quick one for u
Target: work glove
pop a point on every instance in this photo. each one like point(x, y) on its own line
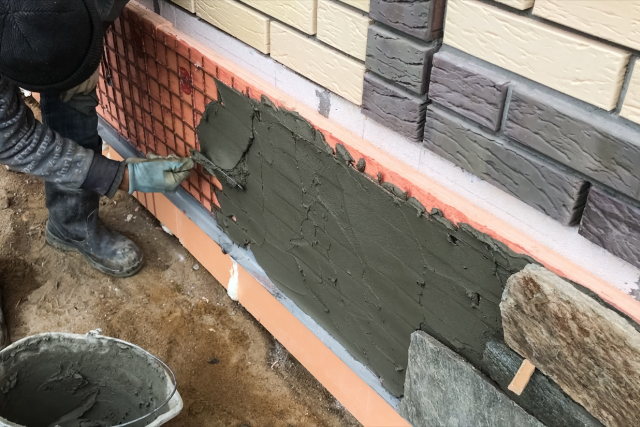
point(157, 174)
point(84, 88)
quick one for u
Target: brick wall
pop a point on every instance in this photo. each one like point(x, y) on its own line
point(504, 66)
point(541, 99)
point(324, 40)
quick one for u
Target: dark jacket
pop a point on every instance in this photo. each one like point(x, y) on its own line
point(27, 145)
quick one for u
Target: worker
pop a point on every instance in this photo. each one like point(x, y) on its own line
point(54, 47)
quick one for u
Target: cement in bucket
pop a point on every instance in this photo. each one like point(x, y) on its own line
point(69, 380)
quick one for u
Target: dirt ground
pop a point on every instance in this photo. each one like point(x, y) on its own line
point(231, 372)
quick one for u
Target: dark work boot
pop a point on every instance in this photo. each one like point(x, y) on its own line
point(74, 225)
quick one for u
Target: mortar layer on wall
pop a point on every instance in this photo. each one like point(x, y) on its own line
point(527, 220)
point(370, 266)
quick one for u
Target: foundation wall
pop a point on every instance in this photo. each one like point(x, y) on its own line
point(163, 80)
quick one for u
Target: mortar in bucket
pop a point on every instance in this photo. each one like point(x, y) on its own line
point(69, 380)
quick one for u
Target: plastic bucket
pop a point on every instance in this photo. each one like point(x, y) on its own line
point(69, 380)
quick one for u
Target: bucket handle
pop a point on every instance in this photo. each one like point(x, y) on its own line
point(96, 333)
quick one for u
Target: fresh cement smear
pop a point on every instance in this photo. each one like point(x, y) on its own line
point(72, 381)
point(368, 264)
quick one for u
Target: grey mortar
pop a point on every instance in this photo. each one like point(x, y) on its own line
point(74, 381)
point(368, 266)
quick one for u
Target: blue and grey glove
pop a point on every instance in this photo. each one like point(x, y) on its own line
point(158, 174)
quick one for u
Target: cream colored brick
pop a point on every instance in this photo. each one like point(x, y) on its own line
point(238, 20)
point(580, 67)
point(300, 14)
point(190, 5)
point(518, 4)
point(323, 65)
point(360, 4)
point(615, 20)
point(631, 107)
point(343, 28)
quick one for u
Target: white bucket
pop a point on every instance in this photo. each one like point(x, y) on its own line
point(68, 380)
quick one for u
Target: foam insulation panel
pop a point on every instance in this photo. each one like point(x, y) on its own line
point(325, 66)
point(614, 20)
point(444, 390)
point(631, 107)
point(589, 350)
point(343, 28)
point(238, 20)
point(300, 14)
point(583, 68)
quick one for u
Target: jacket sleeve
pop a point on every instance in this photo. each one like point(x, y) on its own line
point(28, 146)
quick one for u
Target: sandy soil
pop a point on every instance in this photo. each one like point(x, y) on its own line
point(231, 372)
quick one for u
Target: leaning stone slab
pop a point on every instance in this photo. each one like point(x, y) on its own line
point(587, 349)
point(542, 397)
point(613, 223)
point(420, 18)
point(443, 390)
point(469, 89)
point(536, 181)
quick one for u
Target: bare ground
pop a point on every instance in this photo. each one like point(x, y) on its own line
point(231, 372)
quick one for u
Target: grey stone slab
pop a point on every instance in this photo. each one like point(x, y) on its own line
point(400, 59)
point(613, 223)
point(419, 18)
point(444, 390)
point(393, 107)
point(542, 397)
point(468, 89)
point(555, 191)
point(590, 351)
point(597, 145)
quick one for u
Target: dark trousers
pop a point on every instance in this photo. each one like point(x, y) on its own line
point(76, 119)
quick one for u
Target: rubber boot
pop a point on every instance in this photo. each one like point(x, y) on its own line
point(74, 223)
point(75, 226)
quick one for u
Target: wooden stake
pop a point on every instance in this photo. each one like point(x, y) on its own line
point(522, 377)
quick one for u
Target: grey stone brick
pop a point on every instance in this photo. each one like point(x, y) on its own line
point(420, 18)
point(541, 184)
point(400, 59)
point(468, 89)
point(612, 223)
point(444, 390)
point(542, 397)
point(393, 107)
point(595, 145)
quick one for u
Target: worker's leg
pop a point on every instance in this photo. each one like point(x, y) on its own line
point(74, 224)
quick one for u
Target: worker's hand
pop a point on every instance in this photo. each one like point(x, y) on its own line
point(84, 88)
point(157, 174)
